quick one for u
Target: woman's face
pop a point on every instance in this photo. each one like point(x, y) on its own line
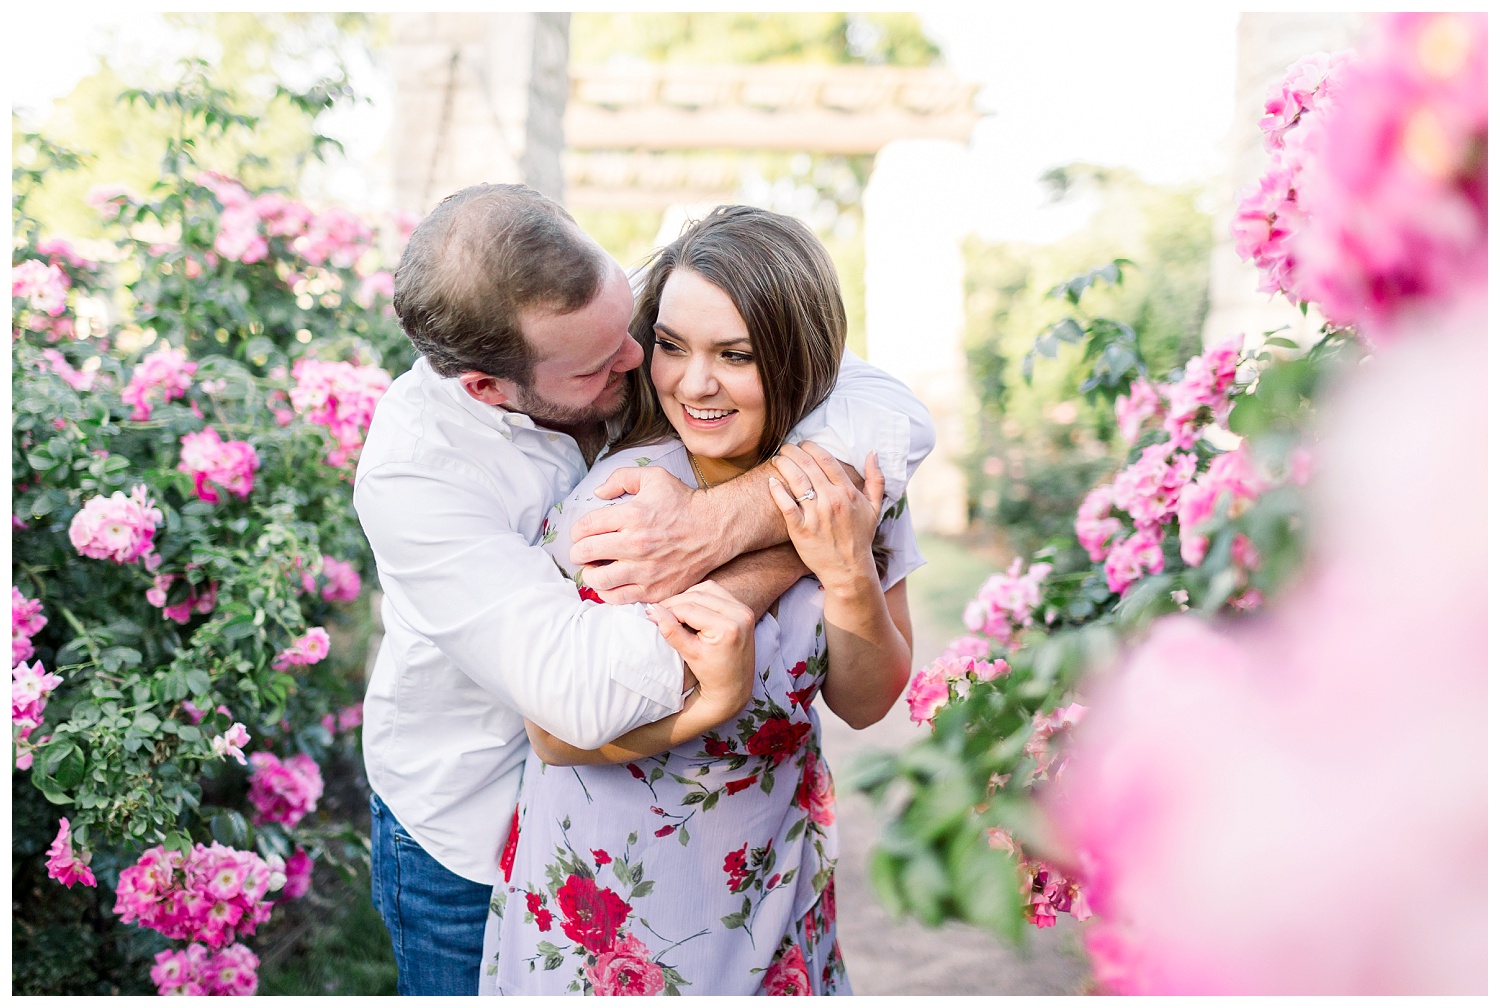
point(704, 371)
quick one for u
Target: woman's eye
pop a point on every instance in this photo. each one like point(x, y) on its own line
point(668, 346)
point(736, 357)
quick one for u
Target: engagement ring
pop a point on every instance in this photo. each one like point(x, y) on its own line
point(808, 496)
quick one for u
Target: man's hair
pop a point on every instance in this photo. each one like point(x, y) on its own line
point(783, 285)
point(483, 256)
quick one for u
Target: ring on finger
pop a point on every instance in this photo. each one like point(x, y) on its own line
point(811, 493)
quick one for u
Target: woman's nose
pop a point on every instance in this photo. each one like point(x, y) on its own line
point(698, 382)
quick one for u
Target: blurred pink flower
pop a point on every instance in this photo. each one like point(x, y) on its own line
point(232, 742)
point(43, 285)
point(1132, 558)
point(117, 527)
point(339, 396)
point(63, 864)
point(1135, 409)
point(214, 462)
point(1394, 187)
point(166, 371)
point(26, 621)
point(927, 694)
point(1094, 526)
point(283, 791)
point(309, 649)
point(342, 582)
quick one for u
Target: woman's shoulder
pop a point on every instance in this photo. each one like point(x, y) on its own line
point(662, 453)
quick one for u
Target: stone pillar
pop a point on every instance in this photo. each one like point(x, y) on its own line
point(1267, 45)
point(479, 98)
point(914, 306)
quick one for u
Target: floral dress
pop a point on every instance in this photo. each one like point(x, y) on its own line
point(707, 869)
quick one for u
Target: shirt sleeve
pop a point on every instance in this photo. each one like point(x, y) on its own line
point(867, 411)
point(496, 606)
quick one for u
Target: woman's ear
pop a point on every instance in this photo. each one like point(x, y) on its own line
point(488, 389)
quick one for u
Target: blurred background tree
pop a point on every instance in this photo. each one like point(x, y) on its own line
point(1038, 447)
point(261, 59)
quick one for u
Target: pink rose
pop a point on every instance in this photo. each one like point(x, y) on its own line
point(927, 695)
point(788, 974)
point(626, 970)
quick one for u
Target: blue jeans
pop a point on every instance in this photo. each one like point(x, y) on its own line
point(436, 918)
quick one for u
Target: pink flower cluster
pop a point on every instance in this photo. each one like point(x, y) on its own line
point(283, 791)
point(1205, 385)
point(1231, 473)
point(232, 743)
point(1133, 410)
point(166, 372)
point(26, 621)
point(342, 583)
point(58, 364)
point(298, 870)
point(340, 396)
point(196, 971)
point(1005, 602)
point(1047, 891)
point(216, 463)
point(1039, 746)
point(118, 528)
point(246, 225)
point(309, 649)
point(43, 285)
point(1148, 488)
point(212, 895)
point(1270, 215)
point(1095, 524)
point(946, 678)
point(1395, 185)
point(63, 864)
point(59, 250)
point(30, 685)
point(200, 598)
point(347, 719)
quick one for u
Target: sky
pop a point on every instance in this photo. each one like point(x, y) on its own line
point(1148, 90)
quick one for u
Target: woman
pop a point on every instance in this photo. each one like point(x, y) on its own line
point(708, 869)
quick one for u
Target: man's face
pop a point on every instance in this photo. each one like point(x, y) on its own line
point(581, 358)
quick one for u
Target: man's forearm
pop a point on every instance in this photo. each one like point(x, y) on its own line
point(759, 578)
point(700, 714)
point(743, 514)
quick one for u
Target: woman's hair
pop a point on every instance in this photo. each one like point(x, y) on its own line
point(783, 285)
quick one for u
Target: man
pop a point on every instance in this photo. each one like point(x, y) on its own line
point(522, 323)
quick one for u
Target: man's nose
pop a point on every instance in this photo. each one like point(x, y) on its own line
point(630, 356)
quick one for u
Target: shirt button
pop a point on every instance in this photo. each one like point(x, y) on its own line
point(551, 437)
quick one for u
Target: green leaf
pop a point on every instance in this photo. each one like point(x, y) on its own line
point(71, 769)
point(198, 682)
point(147, 723)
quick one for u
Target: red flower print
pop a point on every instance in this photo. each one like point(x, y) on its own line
point(797, 669)
point(716, 746)
point(508, 855)
point(666, 830)
point(536, 903)
point(635, 771)
point(803, 697)
point(815, 791)
point(734, 867)
point(588, 594)
point(626, 970)
point(777, 738)
point(601, 858)
point(771, 882)
point(788, 974)
point(658, 810)
point(736, 786)
point(591, 916)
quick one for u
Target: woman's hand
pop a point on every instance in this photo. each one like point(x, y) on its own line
point(715, 635)
point(830, 520)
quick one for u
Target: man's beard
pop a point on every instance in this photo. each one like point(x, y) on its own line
point(548, 414)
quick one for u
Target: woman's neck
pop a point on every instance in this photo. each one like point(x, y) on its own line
point(714, 471)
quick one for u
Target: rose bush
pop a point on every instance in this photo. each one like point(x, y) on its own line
point(189, 401)
point(1270, 514)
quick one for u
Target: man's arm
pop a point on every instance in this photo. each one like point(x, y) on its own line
point(668, 536)
point(455, 570)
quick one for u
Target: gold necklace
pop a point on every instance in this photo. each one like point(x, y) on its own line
point(702, 480)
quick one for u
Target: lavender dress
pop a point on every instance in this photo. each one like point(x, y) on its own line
point(705, 870)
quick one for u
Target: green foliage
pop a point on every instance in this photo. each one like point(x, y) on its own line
point(127, 750)
point(1038, 443)
point(963, 805)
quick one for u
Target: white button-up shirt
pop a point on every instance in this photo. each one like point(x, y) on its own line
point(482, 629)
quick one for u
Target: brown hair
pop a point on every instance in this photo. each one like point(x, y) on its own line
point(476, 262)
point(783, 285)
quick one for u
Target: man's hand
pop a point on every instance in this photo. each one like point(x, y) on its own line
point(715, 634)
point(650, 547)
